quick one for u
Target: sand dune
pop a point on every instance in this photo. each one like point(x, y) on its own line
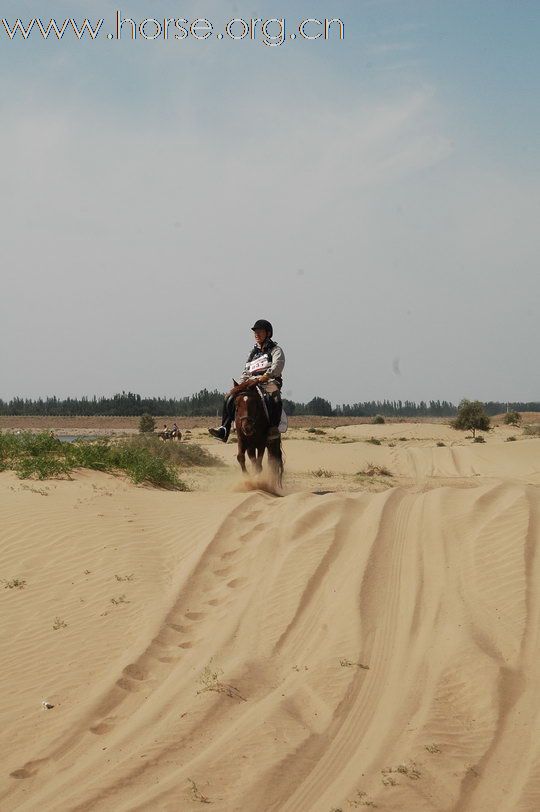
point(312, 652)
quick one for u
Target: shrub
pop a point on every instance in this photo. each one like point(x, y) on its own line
point(316, 431)
point(378, 419)
point(471, 416)
point(512, 419)
point(375, 470)
point(373, 441)
point(323, 472)
point(479, 439)
point(532, 431)
point(147, 424)
point(441, 444)
point(511, 439)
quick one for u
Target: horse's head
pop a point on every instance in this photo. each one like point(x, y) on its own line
point(247, 408)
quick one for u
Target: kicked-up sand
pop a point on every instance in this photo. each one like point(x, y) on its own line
point(368, 640)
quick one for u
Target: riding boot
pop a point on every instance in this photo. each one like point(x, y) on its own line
point(274, 413)
point(222, 433)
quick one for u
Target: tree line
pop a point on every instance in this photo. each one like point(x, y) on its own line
point(207, 403)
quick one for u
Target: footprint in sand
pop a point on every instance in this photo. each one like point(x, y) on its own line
point(129, 685)
point(215, 602)
point(29, 769)
point(135, 672)
point(229, 553)
point(236, 582)
point(103, 727)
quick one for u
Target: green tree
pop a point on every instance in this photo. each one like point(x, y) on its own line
point(147, 424)
point(512, 418)
point(471, 416)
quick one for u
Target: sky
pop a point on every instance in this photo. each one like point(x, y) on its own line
point(376, 198)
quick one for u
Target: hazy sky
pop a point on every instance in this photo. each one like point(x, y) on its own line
point(376, 198)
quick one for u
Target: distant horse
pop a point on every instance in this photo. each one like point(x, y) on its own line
point(170, 434)
point(252, 426)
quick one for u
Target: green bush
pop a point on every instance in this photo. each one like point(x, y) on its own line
point(378, 419)
point(147, 424)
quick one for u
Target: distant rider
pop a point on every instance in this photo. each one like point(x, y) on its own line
point(264, 366)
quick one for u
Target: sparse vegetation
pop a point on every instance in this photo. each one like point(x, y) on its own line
point(124, 577)
point(378, 419)
point(532, 431)
point(479, 439)
point(323, 472)
point(345, 663)
point(312, 430)
point(511, 439)
point(143, 458)
point(471, 416)
point(432, 748)
point(58, 623)
point(15, 583)
point(210, 681)
point(375, 470)
point(196, 795)
point(373, 441)
point(362, 799)
point(440, 444)
point(120, 599)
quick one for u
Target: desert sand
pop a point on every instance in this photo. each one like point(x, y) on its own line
point(363, 641)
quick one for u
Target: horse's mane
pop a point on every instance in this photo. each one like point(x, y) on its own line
point(245, 386)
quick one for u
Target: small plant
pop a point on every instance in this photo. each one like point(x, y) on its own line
point(315, 431)
point(210, 682)
point(479, 439)
point(403, 439)
point(432, 748)
point(532, 431)
point(58, 623)
point(512, 419)
point(375, 470)
point(511, 439)
point(378, 420)
point(440, 444)
point(124, 577)
point(197, 795)
point(323, 472)
point(147, 424)
point(373, 441)
point(344, 663)
point(15, 583)
point(362, 799)
point(120, 599)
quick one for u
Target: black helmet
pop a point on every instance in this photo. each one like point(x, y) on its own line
point(262, 324)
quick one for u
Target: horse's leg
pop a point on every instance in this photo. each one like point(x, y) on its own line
point(260, 454)
point(275, 460)
point(252, 454)
point(241, 456)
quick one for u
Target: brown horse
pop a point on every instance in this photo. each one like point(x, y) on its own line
point(252, 431)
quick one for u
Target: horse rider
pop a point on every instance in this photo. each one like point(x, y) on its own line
point(264, 367)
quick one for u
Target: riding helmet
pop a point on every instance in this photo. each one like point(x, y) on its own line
point(262, 324)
